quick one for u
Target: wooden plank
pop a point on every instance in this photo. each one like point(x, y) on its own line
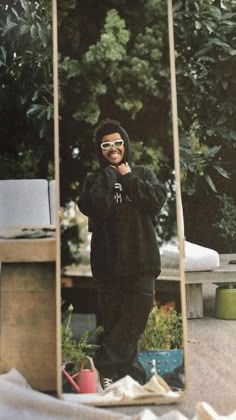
point(27, 250)
point(28, 322)
point(26, 231)
point(27, 277)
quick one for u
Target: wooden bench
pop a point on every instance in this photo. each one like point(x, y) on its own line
point(81, 277)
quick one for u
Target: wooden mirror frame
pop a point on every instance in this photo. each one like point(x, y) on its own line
point(180, 229)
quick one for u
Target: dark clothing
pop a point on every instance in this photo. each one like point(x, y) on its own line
point(125, 257)
point(122, 212)
point(125, 305)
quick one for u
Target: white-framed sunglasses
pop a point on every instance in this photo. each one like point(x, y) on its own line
point(106, 145)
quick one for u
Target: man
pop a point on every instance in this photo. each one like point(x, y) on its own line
point(122, 201)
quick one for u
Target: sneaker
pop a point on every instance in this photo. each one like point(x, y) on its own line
point(176, 379)
point(107, 382)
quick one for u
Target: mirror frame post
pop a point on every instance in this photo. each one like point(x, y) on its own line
point(57, 178)
point(179, 208)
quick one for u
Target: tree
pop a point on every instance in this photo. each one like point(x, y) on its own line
point(206, 63)
point(26, 86)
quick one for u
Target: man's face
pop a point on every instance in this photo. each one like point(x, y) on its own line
point(113, 154)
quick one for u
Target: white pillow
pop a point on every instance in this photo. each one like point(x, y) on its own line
point(197, 258)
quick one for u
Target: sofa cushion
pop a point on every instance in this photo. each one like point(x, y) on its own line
point(197, 258)
point(24, 202)
point(200, 258)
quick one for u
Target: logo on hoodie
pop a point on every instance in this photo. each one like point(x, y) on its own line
point(119, 195)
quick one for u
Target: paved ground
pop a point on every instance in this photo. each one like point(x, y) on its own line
point(211, 364)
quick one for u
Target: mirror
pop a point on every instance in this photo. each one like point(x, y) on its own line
point(114, 63)
point(27, 193)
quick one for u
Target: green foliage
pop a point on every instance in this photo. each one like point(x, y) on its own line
point(72, 350)
point(111, 46)
point(205, 63)
point(26, 166)
point(148, 156)
point(225, 224)
point(27, 55)
point(197, 161)
point(26, 85)
point(163, 330)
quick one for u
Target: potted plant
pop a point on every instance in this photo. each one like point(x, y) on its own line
point(161, 345)
point(76, 352)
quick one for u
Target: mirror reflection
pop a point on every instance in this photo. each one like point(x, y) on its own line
point(117, 187)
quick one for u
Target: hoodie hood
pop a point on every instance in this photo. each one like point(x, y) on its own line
point(110, 127)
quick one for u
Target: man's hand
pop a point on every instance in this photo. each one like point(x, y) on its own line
point(124, 168)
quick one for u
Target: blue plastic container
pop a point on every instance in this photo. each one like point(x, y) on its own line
point(165, 360)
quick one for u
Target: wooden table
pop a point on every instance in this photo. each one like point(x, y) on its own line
point(28, 310)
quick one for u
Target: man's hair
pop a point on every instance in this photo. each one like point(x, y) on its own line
point(107, 126)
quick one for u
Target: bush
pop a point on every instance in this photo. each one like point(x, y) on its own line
point(163, 331)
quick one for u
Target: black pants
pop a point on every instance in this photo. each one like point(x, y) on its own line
point(125, 305)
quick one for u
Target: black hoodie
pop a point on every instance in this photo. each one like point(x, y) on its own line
point(122, 211)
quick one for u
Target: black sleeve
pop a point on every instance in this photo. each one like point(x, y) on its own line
point(96, 198)
point(145, 191)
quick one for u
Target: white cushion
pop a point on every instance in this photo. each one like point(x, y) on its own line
point(197, 258)
point(24, 202)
